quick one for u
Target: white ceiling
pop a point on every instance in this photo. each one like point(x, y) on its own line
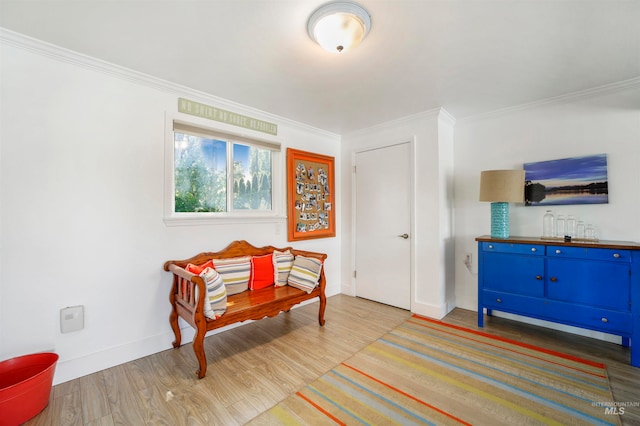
point(468, 56)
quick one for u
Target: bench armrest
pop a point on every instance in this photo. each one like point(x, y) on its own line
point(188, 290)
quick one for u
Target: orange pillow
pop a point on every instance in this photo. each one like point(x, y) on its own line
point(261, 272)
point(197, 269)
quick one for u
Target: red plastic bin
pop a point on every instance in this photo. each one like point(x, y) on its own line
point(25, 386)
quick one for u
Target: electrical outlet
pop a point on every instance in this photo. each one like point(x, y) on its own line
point(468, 260)
point(72, 319)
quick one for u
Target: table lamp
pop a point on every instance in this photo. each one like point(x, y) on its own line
point(501, 187)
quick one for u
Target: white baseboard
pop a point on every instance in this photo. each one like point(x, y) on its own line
point(74, 368)
point(429, 310)
point(560, 327)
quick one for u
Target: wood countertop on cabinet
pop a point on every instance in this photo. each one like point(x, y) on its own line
point(622, 245)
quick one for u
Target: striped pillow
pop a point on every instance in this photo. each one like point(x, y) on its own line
point(235, 273)
point(215, 304)
point(282, 263)
point(305, 273)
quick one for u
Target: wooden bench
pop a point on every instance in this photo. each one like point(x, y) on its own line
point(248, 305)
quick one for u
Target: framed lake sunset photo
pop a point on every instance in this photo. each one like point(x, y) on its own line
point(576, 180)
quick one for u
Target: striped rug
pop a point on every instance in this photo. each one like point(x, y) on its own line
point(429, 372)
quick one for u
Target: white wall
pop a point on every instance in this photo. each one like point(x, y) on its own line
point(82, 188)
point(432, 242)
point(605, 121)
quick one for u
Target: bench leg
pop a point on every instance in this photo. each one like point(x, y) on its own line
point(198, 349)
point(173, 318)
point(323, 305)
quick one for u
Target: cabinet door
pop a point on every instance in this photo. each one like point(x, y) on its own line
point(514, 273)
point(590, 282)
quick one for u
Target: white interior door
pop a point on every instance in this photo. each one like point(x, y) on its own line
point(383, 225)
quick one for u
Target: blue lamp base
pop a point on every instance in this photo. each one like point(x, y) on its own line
point(500, 220)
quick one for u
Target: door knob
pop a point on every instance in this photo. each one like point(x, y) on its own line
point(405, 236)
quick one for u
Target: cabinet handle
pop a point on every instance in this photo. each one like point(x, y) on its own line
point(605, 320)
point(533, 249)
point(554, 279)
point(490, 246)
point(558, 251)
point(616, 255)
point(538, 277)
point(499, 300)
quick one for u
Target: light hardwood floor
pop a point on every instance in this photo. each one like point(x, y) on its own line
point(253, 367)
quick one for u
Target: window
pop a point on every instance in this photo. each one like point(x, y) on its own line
point(221, 175)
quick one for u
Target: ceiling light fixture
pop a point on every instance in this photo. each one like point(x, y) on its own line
point(339, 26)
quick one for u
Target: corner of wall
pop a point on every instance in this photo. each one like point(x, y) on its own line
point(432, 311)
point(445, 118)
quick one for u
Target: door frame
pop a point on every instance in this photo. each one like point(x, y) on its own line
point(412, 244)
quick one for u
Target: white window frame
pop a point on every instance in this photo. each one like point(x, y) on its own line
point(173, 218)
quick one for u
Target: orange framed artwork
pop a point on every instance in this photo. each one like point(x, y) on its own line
point(310, 195)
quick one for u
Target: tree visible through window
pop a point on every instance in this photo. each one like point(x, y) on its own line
point(251, 178)
point(213, 174)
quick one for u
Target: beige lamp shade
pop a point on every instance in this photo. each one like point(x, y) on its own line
point(502, 186)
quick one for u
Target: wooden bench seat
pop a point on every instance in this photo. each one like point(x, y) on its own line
point(248, 305)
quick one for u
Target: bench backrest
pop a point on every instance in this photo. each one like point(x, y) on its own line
point(237, 249)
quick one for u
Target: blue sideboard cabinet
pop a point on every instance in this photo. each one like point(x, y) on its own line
point(590, 285)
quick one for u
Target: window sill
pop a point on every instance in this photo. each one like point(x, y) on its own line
point(222, 220)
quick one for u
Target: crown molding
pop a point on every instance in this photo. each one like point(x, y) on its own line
point(619, 86)
point(446, 117)
point(431, 113)
point(21, 41)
